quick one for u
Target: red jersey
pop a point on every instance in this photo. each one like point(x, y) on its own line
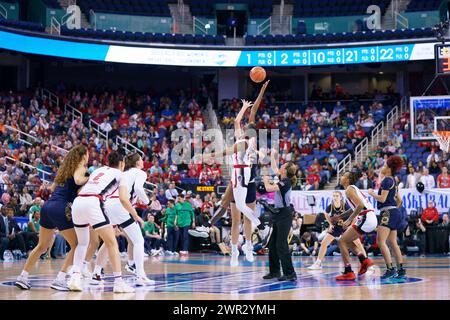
point(443, 182)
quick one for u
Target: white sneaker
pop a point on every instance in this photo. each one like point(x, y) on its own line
point(198, 234)
point(144, 281)
point(315, 266)
point(145, 255)
point(121, 286)
point(248, 250)
point(168, 253)
point(85, 273)
point(96, 279)
point(75, 282)
point(60, 285)
point(234, 262)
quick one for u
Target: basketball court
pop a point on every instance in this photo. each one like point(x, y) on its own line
point(209, 277)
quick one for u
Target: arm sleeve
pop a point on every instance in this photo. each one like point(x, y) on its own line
point(139, 187)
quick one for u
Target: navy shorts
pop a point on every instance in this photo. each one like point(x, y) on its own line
point(56, 215)
point(338, 230)
point(391, 219)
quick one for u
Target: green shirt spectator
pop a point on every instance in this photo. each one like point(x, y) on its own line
point(170, 217)
point(185, 213)
point(151, 228)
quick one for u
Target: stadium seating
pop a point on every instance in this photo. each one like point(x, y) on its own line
point(205, 8)
point(339, 37)
point(420, 5)
point(32, 26)
point(145, 37)
point(129, 7)
point(331, 8)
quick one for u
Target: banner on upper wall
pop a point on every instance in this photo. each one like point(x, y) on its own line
point(411, 200)
point(331, 55)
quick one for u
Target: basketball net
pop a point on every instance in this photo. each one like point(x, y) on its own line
point(443, 137)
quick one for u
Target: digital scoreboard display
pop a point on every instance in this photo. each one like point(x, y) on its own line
point(442, 54)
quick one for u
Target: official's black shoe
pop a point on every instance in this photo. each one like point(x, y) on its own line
point(389, 274)
point(271, 276)
point(290, 277)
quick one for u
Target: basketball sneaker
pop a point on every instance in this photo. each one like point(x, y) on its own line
point(131, 268)
point(198, 233)
point(96, 279)
point(75, 282)
point(315, 266)
point(22, 283)
point(401, 273)
point(346, 276)
point(121, 286)
point(390, 273)
point(234, 262)
point(365, 265)
point(60, 285)
point(248, 250)
point(144, 281)
point(85, 271)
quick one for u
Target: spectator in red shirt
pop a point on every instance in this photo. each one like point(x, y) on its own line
point(123, 120)
point(315, 166)
point(312, 180)
point(359, 132)
point(430, 215)
point(443, 180)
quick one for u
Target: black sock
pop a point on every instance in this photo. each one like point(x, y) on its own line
point(400, 266)
point(389, 266)
point(348, 268)
point(361, 257)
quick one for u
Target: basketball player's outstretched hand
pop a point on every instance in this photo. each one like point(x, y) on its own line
point(246, 104)
point(265, 84)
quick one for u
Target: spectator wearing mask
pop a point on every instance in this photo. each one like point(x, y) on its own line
point(364, 182)
point(430, 215)
point(427, 179)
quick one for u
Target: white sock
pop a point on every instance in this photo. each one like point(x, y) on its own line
point(24, 274)
point(98, 270)
point(61, 275)
point(234, 247)
point(130, 263)
point(318, 261)
point(117, 276)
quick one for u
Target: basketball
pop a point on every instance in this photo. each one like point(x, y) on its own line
point(257, 74)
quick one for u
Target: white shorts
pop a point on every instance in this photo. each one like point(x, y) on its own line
point(366, 222)
point(117, 214)
point(89, 211)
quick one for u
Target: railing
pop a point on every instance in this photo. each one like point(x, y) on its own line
point(73, 111)
point(199, 25)
point(263, 26)
point(128, 147)
point(377, 134)
point(404, 104)
point(361, 150)
point(26, 165)
point(181, 10)
point(96, 127)
point(401, 20)
point(391, 118)
point(281, 10)
point(21, 133)
point(94, 18)
point(55, 26)
point(3, 12)
point(60, 150)
point(343, 166)
point(50, 95)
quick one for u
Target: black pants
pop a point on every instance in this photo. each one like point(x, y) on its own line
point(278, 243)
point(4, 242)
point(18, 243)
point(184, 238)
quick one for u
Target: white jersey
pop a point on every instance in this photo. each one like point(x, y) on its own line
point(238, 157)
point(362, 198)
point(133, 179)
point(103, 182)
point(245, 156)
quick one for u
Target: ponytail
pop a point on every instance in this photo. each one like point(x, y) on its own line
point(291, 170)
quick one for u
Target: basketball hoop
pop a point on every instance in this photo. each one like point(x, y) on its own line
point(443, 137)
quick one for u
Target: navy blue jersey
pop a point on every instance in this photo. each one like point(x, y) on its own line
point(65, 193)
point(388, 183)
point(334, 211)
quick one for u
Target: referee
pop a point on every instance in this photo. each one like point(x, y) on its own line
point(282, 222)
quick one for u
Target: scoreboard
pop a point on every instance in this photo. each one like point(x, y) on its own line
point(327, 56)
point(442, 54)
